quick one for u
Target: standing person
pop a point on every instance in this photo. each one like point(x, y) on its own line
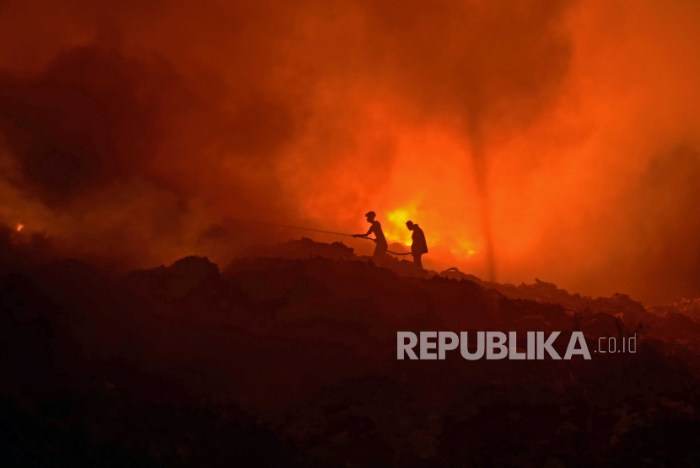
point(376, 229)
point(418, 245)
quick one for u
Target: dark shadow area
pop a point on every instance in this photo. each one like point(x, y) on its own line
point(288, 358)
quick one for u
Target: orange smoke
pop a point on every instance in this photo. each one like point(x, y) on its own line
point(555, 139)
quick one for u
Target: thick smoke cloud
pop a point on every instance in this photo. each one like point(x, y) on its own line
point(91, 118)
point(489, 66)
point(528, 138)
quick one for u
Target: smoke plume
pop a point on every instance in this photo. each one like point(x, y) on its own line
point(552, 139)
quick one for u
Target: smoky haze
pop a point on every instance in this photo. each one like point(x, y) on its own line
point(549, 139)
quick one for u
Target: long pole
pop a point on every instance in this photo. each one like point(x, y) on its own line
point(297, 228)
point(322, 231)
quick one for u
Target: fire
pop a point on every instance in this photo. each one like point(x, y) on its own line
point(442, 246)
point(396, 230)
point(19, 227)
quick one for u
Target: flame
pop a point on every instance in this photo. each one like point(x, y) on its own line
point(19, 227)
point(396, 230)
point(442, 246)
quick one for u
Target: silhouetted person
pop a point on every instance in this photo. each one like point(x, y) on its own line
point(376, 229)
point(418, 245)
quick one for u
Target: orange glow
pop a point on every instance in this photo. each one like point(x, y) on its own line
point(463, 249)
point(396, 229)
point(19, 228)
point(514, 133)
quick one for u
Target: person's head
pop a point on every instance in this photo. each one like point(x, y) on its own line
point(370, 215)
point(409, 225)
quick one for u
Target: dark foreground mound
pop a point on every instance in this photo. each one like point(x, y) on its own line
point(284, 362)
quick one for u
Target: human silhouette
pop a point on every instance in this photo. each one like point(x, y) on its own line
point(418, 244)
point(376, 229)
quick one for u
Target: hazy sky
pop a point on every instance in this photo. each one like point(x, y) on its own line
point(562, 136)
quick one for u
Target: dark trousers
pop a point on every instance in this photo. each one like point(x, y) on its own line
point(417, 260)
point(380, 249)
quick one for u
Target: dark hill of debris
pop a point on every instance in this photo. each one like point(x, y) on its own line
point(289, 358)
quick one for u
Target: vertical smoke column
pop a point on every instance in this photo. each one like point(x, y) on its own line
point(482, 186)
point(510, 66)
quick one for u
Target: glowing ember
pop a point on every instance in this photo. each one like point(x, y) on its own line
point(19, 228)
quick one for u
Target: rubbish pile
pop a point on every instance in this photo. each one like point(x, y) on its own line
point(288, 357)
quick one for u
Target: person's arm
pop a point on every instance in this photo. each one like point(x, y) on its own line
point(369, 231)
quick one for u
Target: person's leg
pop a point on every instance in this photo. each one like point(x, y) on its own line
point(417, 260)
point(380, 250)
